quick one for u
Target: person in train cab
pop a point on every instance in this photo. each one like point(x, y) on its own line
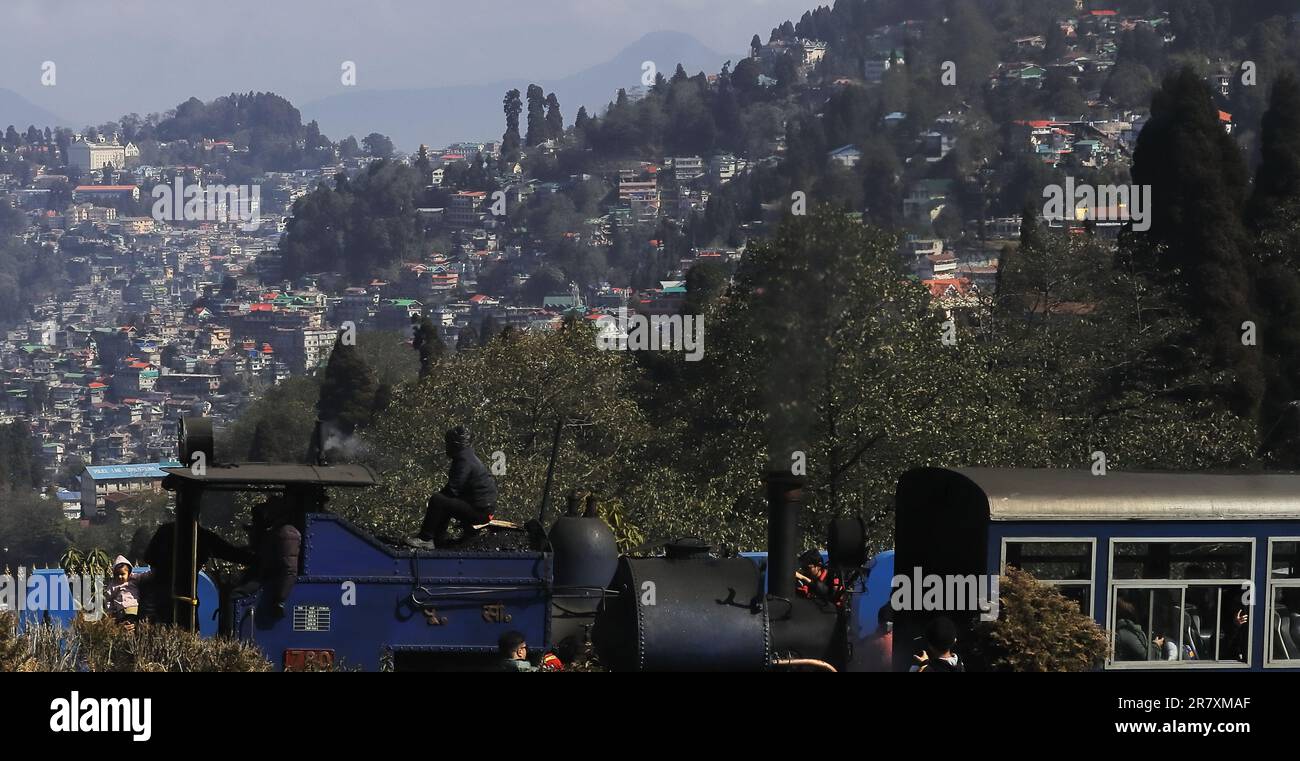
point(815, 582)
point(277, 543)
point(469, 496)
point(1131, 643)
point(156, 594)
point(937, 653)
point(513, 649)
point(877, 651)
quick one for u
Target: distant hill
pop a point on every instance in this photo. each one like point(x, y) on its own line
point(22, 113)
point(441, 115)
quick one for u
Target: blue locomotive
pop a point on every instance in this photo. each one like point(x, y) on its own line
point(363, 602)
point(1205, 564)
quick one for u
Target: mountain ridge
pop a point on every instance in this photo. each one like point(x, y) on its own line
point(22, 113)
point(440, 115)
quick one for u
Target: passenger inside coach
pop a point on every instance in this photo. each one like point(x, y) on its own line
point(1131, 643)
point(1215, 616)
point(1286, 644)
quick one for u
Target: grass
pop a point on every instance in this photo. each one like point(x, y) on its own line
point(107, 646)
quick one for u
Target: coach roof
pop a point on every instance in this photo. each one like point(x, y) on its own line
point(1061, 494)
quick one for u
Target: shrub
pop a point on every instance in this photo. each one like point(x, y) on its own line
point(1037, 629)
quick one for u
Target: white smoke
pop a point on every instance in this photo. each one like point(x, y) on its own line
point(340, 446)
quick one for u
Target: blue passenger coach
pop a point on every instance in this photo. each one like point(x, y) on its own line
point(1183, 570)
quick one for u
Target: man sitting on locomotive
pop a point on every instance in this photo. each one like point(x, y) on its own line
point(469, 496)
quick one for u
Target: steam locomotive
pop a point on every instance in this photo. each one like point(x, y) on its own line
point(1211, 563)
point(361, 601)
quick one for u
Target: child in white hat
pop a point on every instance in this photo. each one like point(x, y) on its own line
point(122, 597)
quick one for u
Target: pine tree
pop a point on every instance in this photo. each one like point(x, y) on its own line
point(536, 116)
point(383, 397)
point(510, 141)
point(580, 122)
point(1277, 182)
point(258, 450)
point(1197, 178)
point(1274, 214)
point(554, 120)
point(429, 344)
point(347, 392)
point(423, 164)
point(489, 330)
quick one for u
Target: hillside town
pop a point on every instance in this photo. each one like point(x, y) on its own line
point(162, 316)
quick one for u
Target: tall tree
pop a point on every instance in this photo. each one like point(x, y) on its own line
point(554, 120)
point(510, 141)
point(536, 116)
point(580, 123)
point(1197, 178)
point(423, 164)
point(1274, 214)
point(347, 392)
point(429, 344)
point(1277, 183)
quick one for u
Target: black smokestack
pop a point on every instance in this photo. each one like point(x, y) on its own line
point(784, 497)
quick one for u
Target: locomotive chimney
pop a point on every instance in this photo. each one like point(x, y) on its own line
point(784, 497)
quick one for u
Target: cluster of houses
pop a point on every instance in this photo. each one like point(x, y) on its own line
point(162, 318)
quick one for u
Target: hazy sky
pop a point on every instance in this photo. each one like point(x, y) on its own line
point(122, 56)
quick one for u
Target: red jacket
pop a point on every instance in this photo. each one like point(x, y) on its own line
point(823, 586)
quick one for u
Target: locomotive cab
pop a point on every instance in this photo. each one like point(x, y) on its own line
point(356, 601)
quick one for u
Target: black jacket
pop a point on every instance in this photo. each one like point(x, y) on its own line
point(470, 480)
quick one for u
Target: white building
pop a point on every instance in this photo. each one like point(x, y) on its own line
point(95, 156)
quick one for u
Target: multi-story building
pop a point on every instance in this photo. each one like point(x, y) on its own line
point(89, 156)
point(465, 209)
point(100, 481)
point(302, 349)
point(687, 168)
point(105, 192)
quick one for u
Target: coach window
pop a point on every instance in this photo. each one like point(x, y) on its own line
point(1181, 601)
point(1284, 603)
point(1066, 564)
